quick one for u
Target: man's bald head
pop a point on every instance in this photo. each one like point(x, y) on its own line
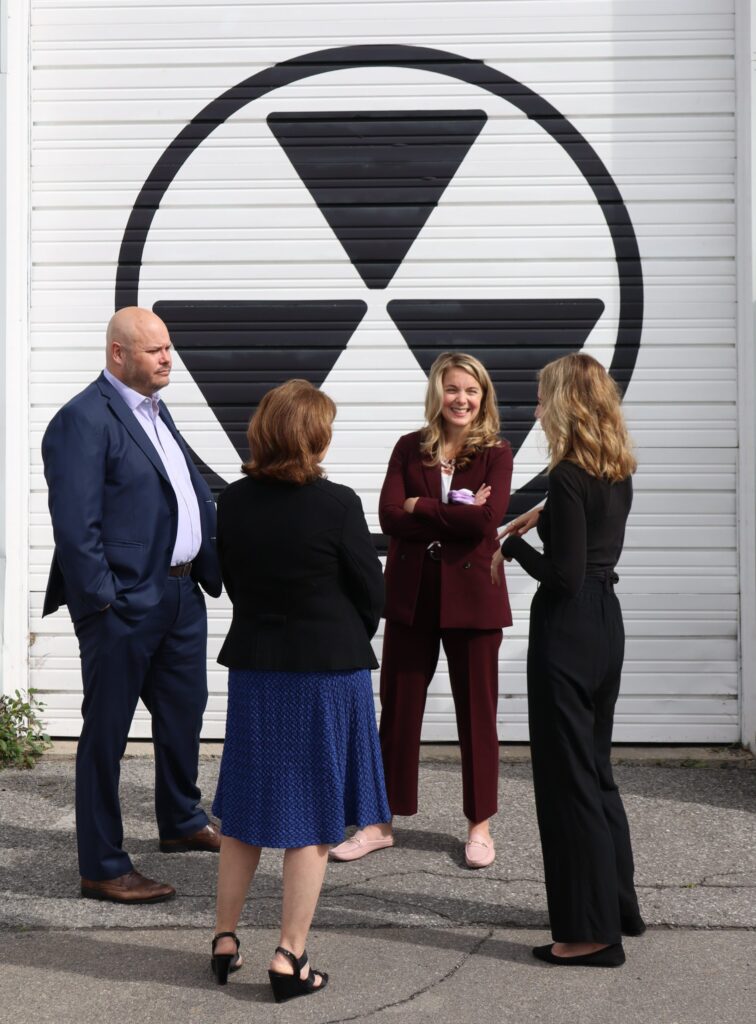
point(131, 323)
point(138, 349)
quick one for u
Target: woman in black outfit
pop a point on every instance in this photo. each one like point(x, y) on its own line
point(575, 653)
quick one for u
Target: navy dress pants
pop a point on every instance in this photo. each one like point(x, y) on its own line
point(162, 659)
point(575, 656)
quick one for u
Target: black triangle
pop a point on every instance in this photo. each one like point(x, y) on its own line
point(377, 175)
point(236, 351)
point(513, 338)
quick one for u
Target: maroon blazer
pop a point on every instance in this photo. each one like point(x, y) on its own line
point(469, 600)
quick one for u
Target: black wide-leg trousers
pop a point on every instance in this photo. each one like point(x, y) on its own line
point(575, 656)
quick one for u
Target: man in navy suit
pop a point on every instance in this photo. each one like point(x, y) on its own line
point(134, 526)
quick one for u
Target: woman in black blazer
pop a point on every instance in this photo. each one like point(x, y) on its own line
point(301, 758)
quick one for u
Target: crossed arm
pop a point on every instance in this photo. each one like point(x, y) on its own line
point(412, 517)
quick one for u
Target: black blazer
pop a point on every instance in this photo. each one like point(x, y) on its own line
point(303, 576)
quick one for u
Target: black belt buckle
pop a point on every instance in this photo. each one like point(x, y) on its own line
point(434, 550)
point(181, 571)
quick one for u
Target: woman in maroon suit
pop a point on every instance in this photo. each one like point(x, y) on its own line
point(445, 493)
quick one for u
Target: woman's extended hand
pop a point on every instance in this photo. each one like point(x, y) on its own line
point(409, 504)
point(481, 495)
point(521, 524)
point(497, 567)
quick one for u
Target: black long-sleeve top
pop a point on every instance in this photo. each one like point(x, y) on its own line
point(582, 527)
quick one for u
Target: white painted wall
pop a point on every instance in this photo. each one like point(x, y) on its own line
point(3, 265)
point(746, 79)
point(652, 88)
point(14, 267)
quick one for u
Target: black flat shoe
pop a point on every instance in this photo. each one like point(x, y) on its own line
point(609, 956)
point(289, 986)
point(224, 963)
point(632, 925)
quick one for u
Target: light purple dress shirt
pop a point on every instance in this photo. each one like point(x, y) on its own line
point(147, 414)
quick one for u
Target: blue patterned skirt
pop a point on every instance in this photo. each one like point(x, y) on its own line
point(301, 759)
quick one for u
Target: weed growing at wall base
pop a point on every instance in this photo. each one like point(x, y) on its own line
point(22, 737)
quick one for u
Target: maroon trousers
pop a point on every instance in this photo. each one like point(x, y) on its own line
point(410, 656)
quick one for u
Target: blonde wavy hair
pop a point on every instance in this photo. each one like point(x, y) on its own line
point(483, 433)
point(582, 418)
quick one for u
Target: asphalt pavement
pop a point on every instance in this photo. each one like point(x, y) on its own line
point(408, 935)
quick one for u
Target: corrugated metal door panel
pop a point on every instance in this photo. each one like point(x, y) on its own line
point(651, 87)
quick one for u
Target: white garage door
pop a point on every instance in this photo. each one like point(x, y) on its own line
point(559, 173)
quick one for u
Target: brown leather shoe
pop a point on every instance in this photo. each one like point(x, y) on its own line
point(208, 838)
point(129, 888)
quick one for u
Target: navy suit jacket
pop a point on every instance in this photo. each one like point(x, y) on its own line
point(114, 511)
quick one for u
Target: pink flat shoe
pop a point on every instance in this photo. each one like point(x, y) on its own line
point(354, 848)
point(479, 854)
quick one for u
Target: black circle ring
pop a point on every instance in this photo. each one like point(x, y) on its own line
point(474, 72)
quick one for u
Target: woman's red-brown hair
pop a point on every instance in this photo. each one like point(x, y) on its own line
point(290, 432)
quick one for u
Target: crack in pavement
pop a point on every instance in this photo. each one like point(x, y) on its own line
point(421, 991)
point(345, 890)
point(339, 891)
point(465, 877)
point(412, 906)
point(512, 879)
point(354, 926)
point(702, 884)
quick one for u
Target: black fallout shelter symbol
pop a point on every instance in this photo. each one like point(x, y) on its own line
point(376, 178)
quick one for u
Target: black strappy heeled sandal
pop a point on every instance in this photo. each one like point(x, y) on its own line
point(223, 963)
point(289, 986)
